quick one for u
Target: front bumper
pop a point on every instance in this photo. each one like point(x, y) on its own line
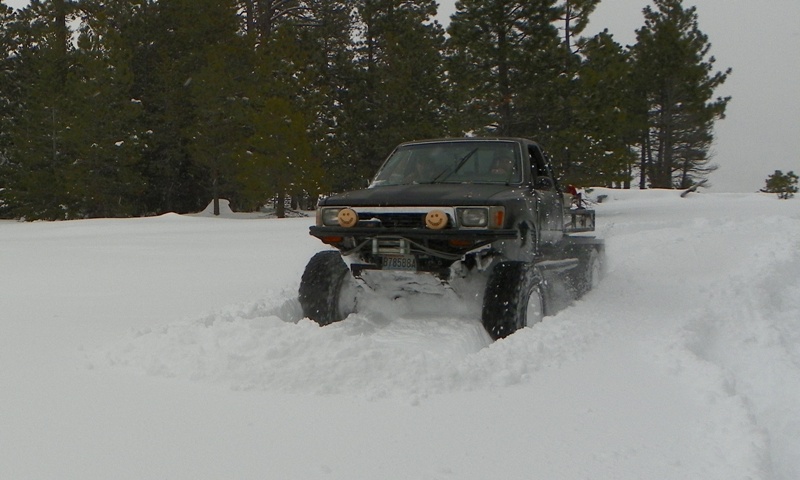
point(441, 247)
point(477, 235)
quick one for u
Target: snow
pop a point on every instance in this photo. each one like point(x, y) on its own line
point(173, 347)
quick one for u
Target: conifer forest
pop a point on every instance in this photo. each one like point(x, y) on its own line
point(140, 107)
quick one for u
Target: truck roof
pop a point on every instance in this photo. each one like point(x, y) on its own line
point(471, 139)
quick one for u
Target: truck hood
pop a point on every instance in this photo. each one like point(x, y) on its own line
point(439, 194)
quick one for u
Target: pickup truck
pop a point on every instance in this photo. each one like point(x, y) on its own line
point(489, 208)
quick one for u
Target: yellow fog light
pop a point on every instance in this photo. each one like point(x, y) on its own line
point(347, 217)
point(436, 220)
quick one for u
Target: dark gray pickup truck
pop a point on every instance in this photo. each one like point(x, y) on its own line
point(488, 207)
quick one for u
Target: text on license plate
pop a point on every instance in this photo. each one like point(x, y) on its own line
point(399, 262)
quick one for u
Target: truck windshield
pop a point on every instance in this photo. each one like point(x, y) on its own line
point(452, 162)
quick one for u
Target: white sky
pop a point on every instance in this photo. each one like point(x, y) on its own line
point(759, 40)
point(16, 3)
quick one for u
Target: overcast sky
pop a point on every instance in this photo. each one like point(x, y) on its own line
point(760, 40)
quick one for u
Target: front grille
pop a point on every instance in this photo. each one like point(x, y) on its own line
point(396, 220)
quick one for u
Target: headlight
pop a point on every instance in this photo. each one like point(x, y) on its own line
point(473, 217)
point(329, 217)
point(481, 217)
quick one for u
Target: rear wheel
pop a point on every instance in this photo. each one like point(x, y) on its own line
point(587, 274)
point(324, 288)
point(514, 298)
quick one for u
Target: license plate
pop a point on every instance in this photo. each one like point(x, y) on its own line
point(399, 262)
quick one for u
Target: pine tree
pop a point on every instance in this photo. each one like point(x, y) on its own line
point(216, 96)
point(674, 75)
point(782, 184)
point(176, 45)
point(9, 106)
point(262, 17)
point(106, 174)
point(275, 160)
point(505, 58)
point(330, 71)
point(42, 151)
point(399, 90)
point(603, 129)
point(561, 127)
point(575, 18)
point(163, 45)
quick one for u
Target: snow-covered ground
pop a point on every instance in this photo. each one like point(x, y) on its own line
point(173, 348)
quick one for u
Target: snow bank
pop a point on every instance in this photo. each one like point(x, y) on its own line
point(224, 209)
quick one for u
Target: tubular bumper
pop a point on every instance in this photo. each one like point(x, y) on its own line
point(477, 235)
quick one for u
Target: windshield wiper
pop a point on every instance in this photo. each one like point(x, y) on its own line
point(458, 167)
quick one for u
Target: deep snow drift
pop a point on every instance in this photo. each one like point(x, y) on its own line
point(173, 347)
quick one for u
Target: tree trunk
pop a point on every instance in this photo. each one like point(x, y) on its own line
point(62, 37)
point(503, 81)
point(250, 21)
point(216, 197)
point(643, 166)
point(280, 205)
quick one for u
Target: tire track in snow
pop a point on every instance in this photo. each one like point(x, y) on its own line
point(753, 321)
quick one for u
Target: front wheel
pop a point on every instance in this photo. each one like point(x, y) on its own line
point(514, 298)
point(324, 288)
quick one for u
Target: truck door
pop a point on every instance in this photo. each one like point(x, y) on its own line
point(549, 199)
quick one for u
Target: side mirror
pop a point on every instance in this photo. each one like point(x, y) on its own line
point(543, 183)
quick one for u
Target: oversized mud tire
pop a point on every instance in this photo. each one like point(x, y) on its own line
point(323, 287)
point(514, 298)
